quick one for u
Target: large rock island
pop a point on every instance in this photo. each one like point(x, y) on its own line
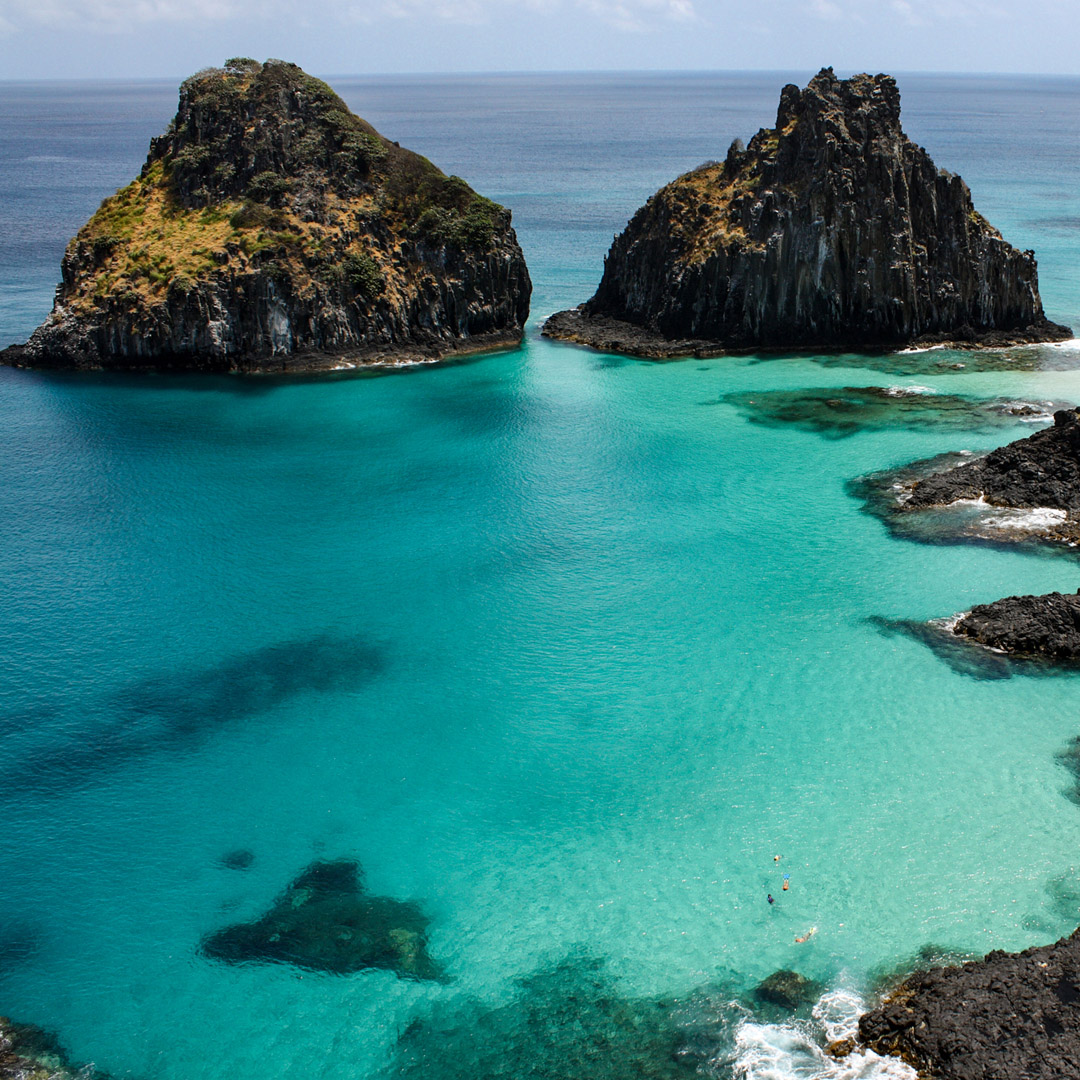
point(1007, 1017)
point(831, 230)
point(271, 229)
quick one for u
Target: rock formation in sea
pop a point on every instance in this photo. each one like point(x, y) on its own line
point(1010, 1016)
point(1042, 470)
point(1045, 626)
point(831, 230)
point(788, 990)
point(327, 921)
point(28, 1052)
point(273, 230)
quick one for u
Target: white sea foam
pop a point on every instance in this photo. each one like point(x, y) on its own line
point(908, 391)
point(1073, 344)
point(926, 348)
point(794, 1051)
point(1039, 517)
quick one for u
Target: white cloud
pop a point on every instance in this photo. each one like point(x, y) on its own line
point(633, 15)
point(826, 9)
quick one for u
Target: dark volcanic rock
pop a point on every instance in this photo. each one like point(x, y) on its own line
point(831, 230)
point(1046, 626)
point(28, 1052)
point(1007, 1017)
point(788, 989)
point(273, 230)
point(327, 921)
point(1042, 470)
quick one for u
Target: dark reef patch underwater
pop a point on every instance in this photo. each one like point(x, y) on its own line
point(180, 710)
point(839, 412)
point(939, 360)
point(327, 921)
point(566, 1021)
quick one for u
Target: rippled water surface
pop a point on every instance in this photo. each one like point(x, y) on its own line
point(564, 648)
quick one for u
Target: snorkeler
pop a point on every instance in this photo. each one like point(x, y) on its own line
point(807, 936)
point(786, 876)
point(770, 898)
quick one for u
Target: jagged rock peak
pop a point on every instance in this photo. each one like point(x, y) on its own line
point(830, 230)
point(272, 229)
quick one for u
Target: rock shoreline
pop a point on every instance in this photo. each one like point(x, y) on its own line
point(1009, 1016)
point(608, 333)
point(28, 1052)
point(301, 362)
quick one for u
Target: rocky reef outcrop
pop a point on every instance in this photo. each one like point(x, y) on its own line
point(1010, 1015)
point(272, 229)
point(1042, 470)
point(327, 921)
point(1045, 626)
point(831, 230)
point(28, 1052)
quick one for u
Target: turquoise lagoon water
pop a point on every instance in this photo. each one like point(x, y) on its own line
point(559, 645)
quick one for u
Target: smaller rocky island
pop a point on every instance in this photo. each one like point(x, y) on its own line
point(271, 229)
point(326, 920)
point(831, 230)
point(1046, 626)
point(1010, 1016)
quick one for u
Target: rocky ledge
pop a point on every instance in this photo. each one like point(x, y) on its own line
point(831, 230)
point(1006, 1016)
point(1045, 626)
point(28, 1052)
point(271, 229)
point(1041, 472)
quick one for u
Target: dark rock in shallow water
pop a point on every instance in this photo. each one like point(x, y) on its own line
point(1007, 1017)
point(831, 230)
point(837, 412)
point(1027, 492)
point(1042, 470)
point(241, 859)
point(1045, 626)
point(28, 1052)
point(565, 1022)
point(327, 921)
point(272, 230)
point(788, 989)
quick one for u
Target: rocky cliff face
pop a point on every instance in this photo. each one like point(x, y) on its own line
point(272, 229)
point(832, 229)
point(1007, 1016)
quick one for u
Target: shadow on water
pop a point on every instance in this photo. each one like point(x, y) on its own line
point(969, 657)
point(180, 710)
point(1070, 759)
point(965, 658)
point(840, 412)
point(566, 1021)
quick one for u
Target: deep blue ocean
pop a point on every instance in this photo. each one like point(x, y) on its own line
point(563, 647)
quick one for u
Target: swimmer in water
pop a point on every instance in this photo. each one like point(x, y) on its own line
point(776, 858)
point(807, 936)
point(786, 876)
point(770, 898)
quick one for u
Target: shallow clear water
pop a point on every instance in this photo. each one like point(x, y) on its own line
point(562, 646)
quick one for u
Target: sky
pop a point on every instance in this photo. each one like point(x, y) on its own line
point(172, 38)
